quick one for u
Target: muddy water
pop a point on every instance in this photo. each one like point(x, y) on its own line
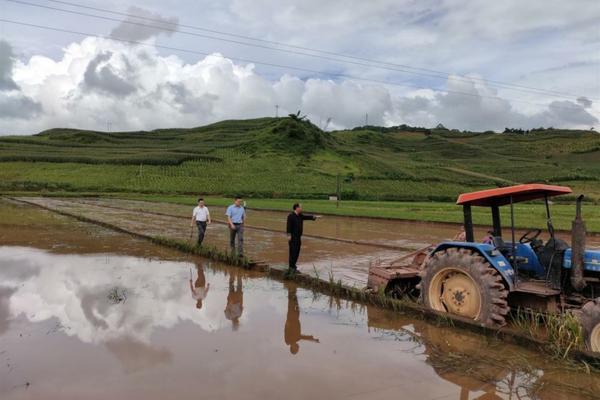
point(86, 313)
point(348, 262)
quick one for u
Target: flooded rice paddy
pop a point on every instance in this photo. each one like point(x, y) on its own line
point(342, 247)
point(87, 313)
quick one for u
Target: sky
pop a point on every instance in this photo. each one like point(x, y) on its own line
point(469, 65)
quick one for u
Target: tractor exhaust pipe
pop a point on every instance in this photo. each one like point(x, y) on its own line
point(577, 249)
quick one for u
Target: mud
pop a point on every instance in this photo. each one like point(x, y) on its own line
point(88, 313)
point(265, 234)
point(347, 262)
point(404, 234)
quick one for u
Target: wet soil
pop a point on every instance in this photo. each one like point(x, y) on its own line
point(404, 234)
point(86, 313)
point(327, 248)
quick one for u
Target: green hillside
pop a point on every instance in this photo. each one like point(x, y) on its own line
point(286, 157)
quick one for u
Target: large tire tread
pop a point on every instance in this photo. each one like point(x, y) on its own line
point(589, 316)
point(494, 294)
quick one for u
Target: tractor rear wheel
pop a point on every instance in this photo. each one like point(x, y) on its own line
point(461, 282)
point(590, 324)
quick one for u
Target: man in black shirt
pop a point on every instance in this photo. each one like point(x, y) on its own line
point(295, 222)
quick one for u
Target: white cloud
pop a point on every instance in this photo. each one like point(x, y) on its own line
point(99, 80)
point(13, 104)
point(95, 80)
point(471, 105)
point(6, 67)
point(144, 27)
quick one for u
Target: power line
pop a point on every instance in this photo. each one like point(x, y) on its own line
point(282, 66)
point(441, 73)
point(372, 63)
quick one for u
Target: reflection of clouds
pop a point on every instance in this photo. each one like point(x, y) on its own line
point(74, 289)
point(136, 355)
point(5, 293)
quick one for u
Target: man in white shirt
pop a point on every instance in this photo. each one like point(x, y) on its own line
point(200, 216)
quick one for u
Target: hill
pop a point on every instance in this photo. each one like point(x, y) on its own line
point(287, 157)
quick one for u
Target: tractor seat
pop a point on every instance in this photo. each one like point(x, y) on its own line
point(501, 246)
point(507, 251)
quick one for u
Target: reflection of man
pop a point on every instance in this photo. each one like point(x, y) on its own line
point(235, 300)
point(293, 331)
point(200, 288)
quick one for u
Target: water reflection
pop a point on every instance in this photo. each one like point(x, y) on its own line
point(5, 293)
point(139, 311)
point(200, 287)
point(484, 368)
point(293, 329)
point(97, 297)
point(235, 299)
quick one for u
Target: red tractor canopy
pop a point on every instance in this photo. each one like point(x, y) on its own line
point(497, 197)
point(519, 193)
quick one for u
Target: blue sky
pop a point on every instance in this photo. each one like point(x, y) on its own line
point(550, 49)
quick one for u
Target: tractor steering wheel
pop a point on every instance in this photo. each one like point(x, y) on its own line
point(530, 236)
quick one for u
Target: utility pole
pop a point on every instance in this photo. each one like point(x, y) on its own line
point(276, 110)
point(108, 126)
point(366, 119)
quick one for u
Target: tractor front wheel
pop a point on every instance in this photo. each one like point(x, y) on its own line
point(590, 324)
point(460, 282)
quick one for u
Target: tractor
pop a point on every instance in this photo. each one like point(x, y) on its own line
point(482, 282)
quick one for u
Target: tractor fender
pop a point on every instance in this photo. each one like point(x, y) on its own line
point(489, 252)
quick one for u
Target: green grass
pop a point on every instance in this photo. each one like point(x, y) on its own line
point(285, 158)
point(561, 332)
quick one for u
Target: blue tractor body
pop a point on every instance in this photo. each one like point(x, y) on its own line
point(529, 261)
point(591, 260)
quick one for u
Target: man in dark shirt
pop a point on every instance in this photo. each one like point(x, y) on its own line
point(295, 222)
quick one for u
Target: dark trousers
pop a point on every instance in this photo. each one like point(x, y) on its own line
point(201, 231)
point(237, 233)
point(295, 245)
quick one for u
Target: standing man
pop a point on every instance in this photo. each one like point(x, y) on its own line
point(201, 216)
point(295, 225)
point(236, 215)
